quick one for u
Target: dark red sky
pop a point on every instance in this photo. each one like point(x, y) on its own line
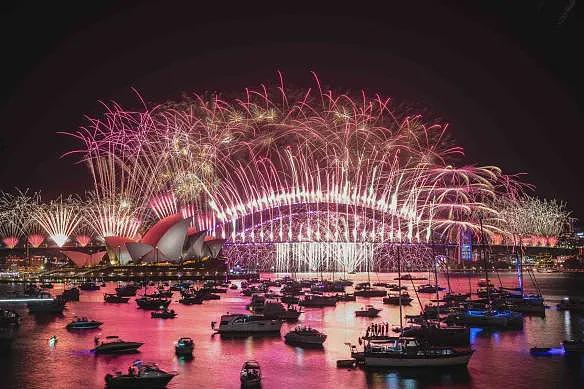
point(507, 77)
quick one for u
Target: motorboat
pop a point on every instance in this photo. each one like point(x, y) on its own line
point(190, 299)
point(9, 323)
point(251, 374)
point(184, 347)
point(346, 297)
point(370, 292)
point(305, 336)
point(140, 375)
point(429, 288)
point(114, 298)
point(163, 314)
point(368, 311)
point(573, 346)
point(233, 286)
point(47, 305)
point(246, 324)
point(289, 299)
point(88, 286)
point(402, 298)
point(409, 352)
point(409, 277)
point(317, 301)
point(70, 294)
point(83, 323)
point(128, 290)
point(490, 318)
point(115, 345)
point(152, 303)
point(257, 303)
point(276, 310)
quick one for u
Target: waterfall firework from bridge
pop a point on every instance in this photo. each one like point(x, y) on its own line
point(308, 179)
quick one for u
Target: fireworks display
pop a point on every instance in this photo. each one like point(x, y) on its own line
point(59, 218)
point(322, 176)
point(304, 179)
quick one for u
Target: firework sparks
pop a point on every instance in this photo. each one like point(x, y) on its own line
point(296, 169)
point(59, 218)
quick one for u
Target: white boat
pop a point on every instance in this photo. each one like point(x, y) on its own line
point(408, 352)
point(247, 324)
point(305, 336)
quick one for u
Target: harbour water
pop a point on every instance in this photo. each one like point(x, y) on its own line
point(501, 360)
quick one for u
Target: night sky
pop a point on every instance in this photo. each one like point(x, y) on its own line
point(507, 77)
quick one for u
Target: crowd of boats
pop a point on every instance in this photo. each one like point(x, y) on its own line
point(438, 336)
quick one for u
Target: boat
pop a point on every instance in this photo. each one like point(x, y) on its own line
point(346, 297)
point(276, 310)
point(114, 298)
point(128, 290)
point(233, 286)
point(573, 346)
point(115, 345)
point(184, 347)
point(191, 299)
point(546, 351)
point(368, 311)
point(409, 277)
point(46, 285)
point(288, 299)
point(152, 303)
point(164, 314)
point(398, 298)
point(305, 336)
point(83, 323)
point(140, 375)
point(370, 292)
point(437, 334)
point(409, 352)
point(246, 324)
point(87, 286)
point(257, 303)
point(317, 301)
point(70, 294)
point(48, 306)
point(251, 374)
point(9, 323)
point(429, 288)
point(490, 318)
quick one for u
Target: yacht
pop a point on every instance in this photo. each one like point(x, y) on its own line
point(184, 347)
point(246, 324)
point(305, 336)
point(251, 374)
point(140, 375)
point(409, 352)
point(83, 323)
point(276, 310)
point(490, 318)
point(409, 277)
point(114, 298)
point(402, 298)
point(163, 314)
point(89, 286)
point(190, 299)
point(571, 304)
point(45, 304)
point(113, 344)
point(152, 303)
point(128, 290)
point(370, 292)
point(368, 311)
point(316, 301)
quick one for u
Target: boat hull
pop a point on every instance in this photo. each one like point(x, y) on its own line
point(391, 361)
